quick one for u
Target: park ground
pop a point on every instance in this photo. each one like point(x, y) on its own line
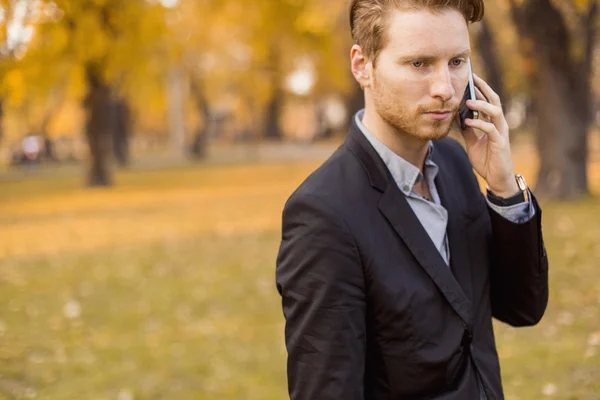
point(162, 287)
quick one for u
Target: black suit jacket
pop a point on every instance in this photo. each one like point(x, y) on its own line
point(372, 310)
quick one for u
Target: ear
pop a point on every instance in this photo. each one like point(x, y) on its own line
point(361, 67)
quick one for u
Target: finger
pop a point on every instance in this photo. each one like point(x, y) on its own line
point(480, 95)
point(470, 137)
point(487, 91)
point(486, 127)
point(488, 109)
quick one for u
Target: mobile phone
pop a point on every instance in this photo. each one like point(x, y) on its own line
point(465, 112)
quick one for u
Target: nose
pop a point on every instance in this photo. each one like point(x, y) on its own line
point(441, 85)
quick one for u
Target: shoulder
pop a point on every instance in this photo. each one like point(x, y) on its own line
point(335, 182)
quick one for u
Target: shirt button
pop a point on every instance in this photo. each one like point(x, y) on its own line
point(406, 188)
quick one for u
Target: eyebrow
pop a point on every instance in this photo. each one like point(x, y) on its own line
point(425, 58)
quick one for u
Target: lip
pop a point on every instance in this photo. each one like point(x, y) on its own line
point(439, 115)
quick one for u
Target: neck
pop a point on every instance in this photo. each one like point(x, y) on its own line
point(413, 150)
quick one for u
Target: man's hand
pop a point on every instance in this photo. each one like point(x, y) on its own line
point(490, 153)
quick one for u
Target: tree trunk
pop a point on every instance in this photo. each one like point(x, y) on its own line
point(272, 126)
point(561, 95)
point(176, 99)
point(274, 108)
point(561, 139)
point(121, 131)
point(487, 49)
point(98, 127)
point(198, 149)
point(47, 154)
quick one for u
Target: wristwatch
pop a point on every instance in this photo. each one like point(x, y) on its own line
point(521, 197)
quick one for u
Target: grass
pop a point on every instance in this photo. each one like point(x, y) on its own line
point(163, 288)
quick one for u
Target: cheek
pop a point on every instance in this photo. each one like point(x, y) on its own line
point(459, 82)
point(404, 88)
point(397, 78)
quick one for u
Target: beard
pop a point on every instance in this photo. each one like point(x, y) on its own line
point(409, 120)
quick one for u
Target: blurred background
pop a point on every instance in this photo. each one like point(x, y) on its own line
point(147, 148)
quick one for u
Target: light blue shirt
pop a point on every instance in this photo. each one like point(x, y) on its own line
point(432, 215)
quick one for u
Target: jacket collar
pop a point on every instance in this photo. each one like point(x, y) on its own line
point(405, 174)
point(376, 170)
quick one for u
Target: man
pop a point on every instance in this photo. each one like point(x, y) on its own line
point(392, 263)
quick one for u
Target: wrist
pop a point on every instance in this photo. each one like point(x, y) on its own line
point(507, 190)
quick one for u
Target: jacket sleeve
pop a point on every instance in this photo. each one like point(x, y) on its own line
point(320, 278)
point(519, 269)
point(518, 214)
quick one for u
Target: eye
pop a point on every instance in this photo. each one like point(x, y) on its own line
point(417, 64)
point(456, 62)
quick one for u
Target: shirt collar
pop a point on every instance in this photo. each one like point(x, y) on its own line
point(404, 173)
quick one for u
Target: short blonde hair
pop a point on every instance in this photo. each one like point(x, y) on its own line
point(368, 18)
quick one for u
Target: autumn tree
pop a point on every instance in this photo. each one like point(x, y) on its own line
point(557, 41)
point(287, 33)
point(98, 43)
point(246, 49)
point(195, 50)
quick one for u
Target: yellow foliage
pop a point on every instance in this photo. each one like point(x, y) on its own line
point(57, 40)
point(14, 85)
point(90, 41)
point(76, 85)
point(67, 121)
point(242, 48)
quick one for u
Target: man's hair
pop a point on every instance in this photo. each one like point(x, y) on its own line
point(368, 18)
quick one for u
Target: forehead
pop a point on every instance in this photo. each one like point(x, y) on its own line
point(426, 33)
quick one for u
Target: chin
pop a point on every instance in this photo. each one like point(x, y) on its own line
point(414, 127)
point(433, 134)
point(440, 135)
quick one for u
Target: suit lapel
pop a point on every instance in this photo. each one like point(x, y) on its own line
point(457, 238)
point(397, 211)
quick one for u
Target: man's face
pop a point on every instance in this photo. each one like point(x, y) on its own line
point(421, 73)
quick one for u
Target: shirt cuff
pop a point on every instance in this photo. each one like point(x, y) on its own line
point(518, 214)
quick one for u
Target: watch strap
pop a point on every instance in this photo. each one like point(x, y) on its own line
point(506, 202)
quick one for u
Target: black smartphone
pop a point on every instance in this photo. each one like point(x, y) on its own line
point(465, 112)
